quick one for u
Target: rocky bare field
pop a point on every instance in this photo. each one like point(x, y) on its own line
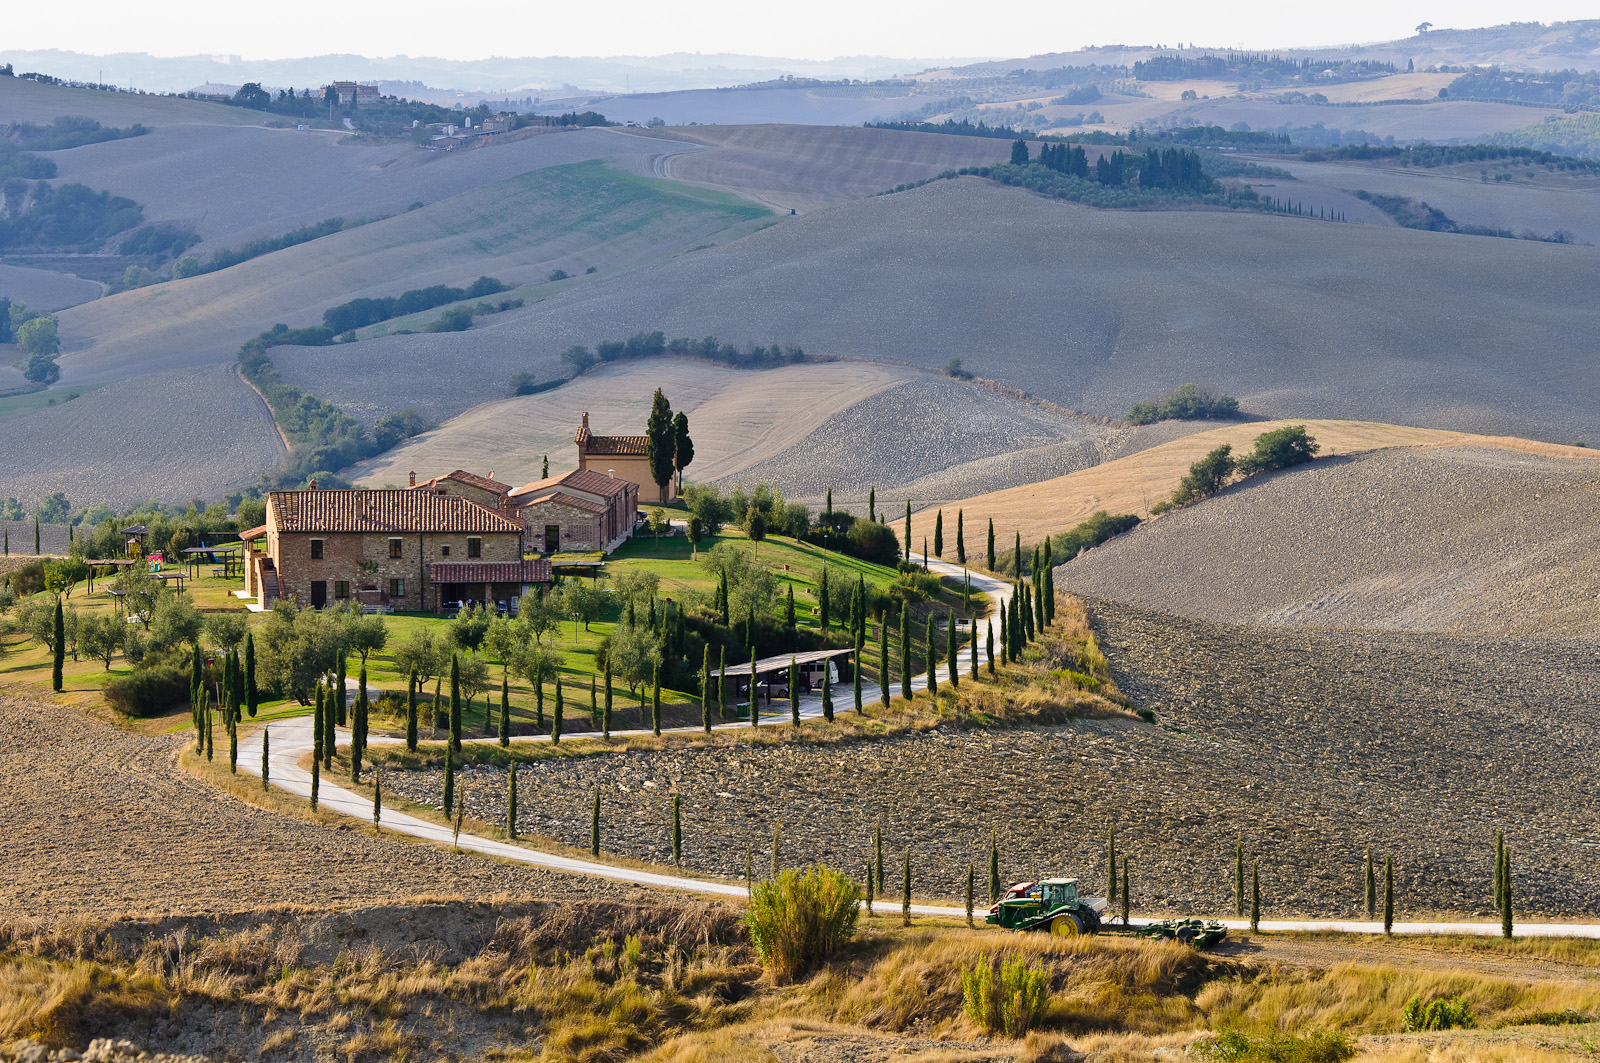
point(1309, 744)
point(1469, 540)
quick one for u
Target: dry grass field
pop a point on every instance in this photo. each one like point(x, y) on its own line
point(1468, 539)
point(1134, 483)
point(29, 101)
point(1295, 317)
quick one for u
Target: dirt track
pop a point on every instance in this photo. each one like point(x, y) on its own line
point(98, 820)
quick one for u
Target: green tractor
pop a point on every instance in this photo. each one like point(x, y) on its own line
point(1051, 905)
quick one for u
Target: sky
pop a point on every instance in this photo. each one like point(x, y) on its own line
point(797, 29)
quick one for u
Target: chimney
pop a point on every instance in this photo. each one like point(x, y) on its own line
point(413, 477)
point(585, 420)
point(312, 486)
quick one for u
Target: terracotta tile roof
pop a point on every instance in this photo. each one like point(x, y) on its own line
point(621, 446)
point(252, 533)
point(567, 500)
point(586, 480)
point(472, 479)
point(385, 510)
point(490, 572)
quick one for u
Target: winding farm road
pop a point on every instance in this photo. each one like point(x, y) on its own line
point(293, 740)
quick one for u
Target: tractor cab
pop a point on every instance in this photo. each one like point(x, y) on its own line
point(1058, 892)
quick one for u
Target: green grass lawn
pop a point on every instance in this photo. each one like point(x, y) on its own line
point(38, 400)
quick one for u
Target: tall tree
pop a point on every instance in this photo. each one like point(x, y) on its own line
point(455, 703)
point(961, 537)
point(823, 612)
point(58, 643)
point(991, 544)
point(1111, 864)
point(1371, 892)
point(855, 669)
point(938, 533)
point(1388, 895)
point(932, 659)
point(252, 694)
point(505, 711)
point(883, 661)
point(872, 504)
point(1017, 558)
point(658, 443)
point(908, 529)
point(682, 446)
point(794, 692)
point(1255, 897)
point(989, 641)
point(705, 690)
point(905, 892)
point(951, 663)
point(827, 691)
point(605, 712)
point(411, 713)
point(905, 653)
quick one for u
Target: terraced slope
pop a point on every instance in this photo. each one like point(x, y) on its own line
point(572, 216)
point(1463, 539)
point(1092, 309)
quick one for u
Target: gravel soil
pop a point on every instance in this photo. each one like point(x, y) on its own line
point(1467, 540)
point(97, 820)
point(1308, 744)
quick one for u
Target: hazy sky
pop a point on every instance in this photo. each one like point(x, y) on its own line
point(805, 29)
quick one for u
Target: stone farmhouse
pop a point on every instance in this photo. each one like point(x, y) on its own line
point(579, 510)
point(415, 550)
point(621, 456)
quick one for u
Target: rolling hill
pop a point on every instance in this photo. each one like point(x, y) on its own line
point(1464, 539)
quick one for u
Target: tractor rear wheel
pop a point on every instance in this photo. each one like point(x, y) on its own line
point(1065, 926)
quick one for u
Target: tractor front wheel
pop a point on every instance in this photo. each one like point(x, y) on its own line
point(1065, 926)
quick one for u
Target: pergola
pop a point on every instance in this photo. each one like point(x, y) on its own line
point(230, 558)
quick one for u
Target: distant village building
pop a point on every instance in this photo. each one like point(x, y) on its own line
point(348, 90)
point(419, 550)
point(621, 456)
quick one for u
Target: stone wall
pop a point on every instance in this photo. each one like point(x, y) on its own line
point(363, 561)
point(580, 529)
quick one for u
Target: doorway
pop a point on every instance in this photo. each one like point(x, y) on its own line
point(552, 538)
point(319, 593)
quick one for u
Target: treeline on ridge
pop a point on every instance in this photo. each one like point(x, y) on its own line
point(67, 131)
point(656, 345)
point(358, 313)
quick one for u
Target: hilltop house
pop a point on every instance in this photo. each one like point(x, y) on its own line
point(349, 90)
point(621, 456)
point(420, 550)
point(578, 510)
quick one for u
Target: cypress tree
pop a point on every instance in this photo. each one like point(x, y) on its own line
point(1371, 878)
point(316, 727)
point(210, 736)
point(342, 701)
point(1124, 891)
point(883, 661)
point(358, 736)
point(953, 666)
point(594, 700)
point(989, 640)
point(1255, 897)
point(1005, 637)
point(655, 699)
point(1499, 870)
point(932, 659)
point(972, 632)
point(938, 533)
point(233, 747)
point(869, 888)
point(594, 825)
point(872, 504)
point(961, 538)
point(906, 660)
point(461, 813)
point(991, 544)
point(994, 867)
point(877, 852)
point(411, 713)
point(1506, 903)
point(794, 693)
point(677, 832)
point(511, 801)
point(827, 691)
point(252, 693)
point(555, 722)
point(266, 741)
point(855, 678)
point(705, 690)
point(605, 717)
point(505, 710)
point(330, 740)
point(971, 875)
point(722, 684)
point(1388, 894)
point(58, 638)
point(908, 530)
point(777, 844)
point(1111, 864)
point(455, 703)
point(448, 798)
point(722, 592)
point(1017, 557)
point(377, 800)
point(822, 601)
point(36, 536)
point(905, 892)
point(755, 702)
point(788, 609)
point(1238, 877)
point(316, 781)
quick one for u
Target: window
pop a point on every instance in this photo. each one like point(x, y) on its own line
point(316, 549)
point(394, 547)
point(444, 551)
point(341, 589)
point(397, 588)
point(474, 547)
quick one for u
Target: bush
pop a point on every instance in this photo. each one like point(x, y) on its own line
point(1279, 449)
point(1206, 476)
point(1235, 1047)
point(1188, 402)
point(1091, 533)
point(801, 918)
point(1440, 1014)
point(1005, 997)
point(871, 541)
point(148, 691)
point(457, 320)
point(29, 579)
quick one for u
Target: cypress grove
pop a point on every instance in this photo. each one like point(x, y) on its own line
point(511, 802)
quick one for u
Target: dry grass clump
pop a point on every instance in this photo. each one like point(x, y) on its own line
point(801, 918)
point(1004, 997)
point(60, 1002)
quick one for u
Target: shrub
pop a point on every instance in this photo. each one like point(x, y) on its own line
point(148, 691)
point(1234, 1047)
point(1091, 533)
point(1440, 1014)
point(1279, 449)
point(800, 918)
point(871, 541)
point(1206, 476)
point(29, 579)
point(1187, 402)
point(457, 320)
point(1005, 997)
